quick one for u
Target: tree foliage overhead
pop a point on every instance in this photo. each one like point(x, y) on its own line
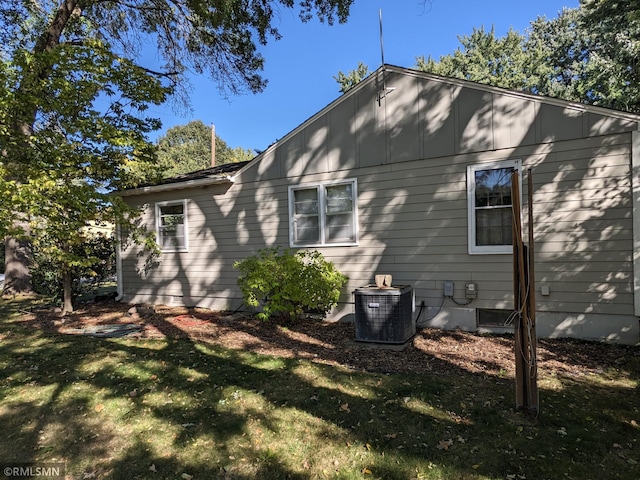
point(73, 121)
point(588, 54)
point(483, 58)
point(187, 148)
point(612, 76)
point(350, 79)
point(217, 37)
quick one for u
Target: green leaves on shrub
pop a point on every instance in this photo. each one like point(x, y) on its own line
point(289, 283)
point(92, 261)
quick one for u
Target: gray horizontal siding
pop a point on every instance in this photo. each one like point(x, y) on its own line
point(412, 203)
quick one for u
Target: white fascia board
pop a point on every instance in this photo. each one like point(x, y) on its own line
point(635, 186)
point(202, 182)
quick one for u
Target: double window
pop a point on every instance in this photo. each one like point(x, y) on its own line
point(491, 206)
point(323, 214)
point(171, 226)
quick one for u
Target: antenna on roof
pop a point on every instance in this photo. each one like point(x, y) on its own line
point(381, 43)
point(382, 92)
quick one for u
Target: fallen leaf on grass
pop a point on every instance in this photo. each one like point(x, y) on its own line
point(152, 468)
point(444, 444)
point(366, 471)
point(99, 407)
point(186, 476)
point(345, 408)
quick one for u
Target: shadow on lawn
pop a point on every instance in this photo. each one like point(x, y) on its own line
point(226, 414)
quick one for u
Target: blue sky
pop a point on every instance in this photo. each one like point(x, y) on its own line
point(300, 67)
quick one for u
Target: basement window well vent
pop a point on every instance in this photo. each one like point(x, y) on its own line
point(384, 315)
point(494, 318)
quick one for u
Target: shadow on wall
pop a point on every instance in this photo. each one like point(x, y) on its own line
point(409, 154)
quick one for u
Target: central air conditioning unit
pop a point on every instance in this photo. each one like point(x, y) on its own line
point(384, 315)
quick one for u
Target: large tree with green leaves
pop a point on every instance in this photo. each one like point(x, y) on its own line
point(483, 58)
point(612, 73)
point(350, 79)
point(55, 179)
point(186, 148)
point(588, 54)
point(74, 99)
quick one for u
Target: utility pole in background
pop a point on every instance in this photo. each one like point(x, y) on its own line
point(213, 145)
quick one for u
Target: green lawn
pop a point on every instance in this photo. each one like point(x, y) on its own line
point(156, 409)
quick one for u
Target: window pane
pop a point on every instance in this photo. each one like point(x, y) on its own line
point(306, 201)
point(307, 229)
point(171, 237)
point(339, 199)
point(171, 229)
point(493, 187)
point(306, 219)
point(340, 228)
point(172, 209)
point(493, 226)
point(168, 220)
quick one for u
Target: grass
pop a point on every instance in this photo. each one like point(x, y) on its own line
point(156, 409)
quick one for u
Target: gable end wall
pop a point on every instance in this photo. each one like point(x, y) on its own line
point(409, 155)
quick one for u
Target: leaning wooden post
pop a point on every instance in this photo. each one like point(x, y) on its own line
point(532, 375)
point(518, 297)
point(524, 304)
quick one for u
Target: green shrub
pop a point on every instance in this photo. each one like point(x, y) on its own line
point(289, 283)
point(95, 265)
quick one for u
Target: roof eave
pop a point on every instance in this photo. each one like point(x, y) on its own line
point(202, 182)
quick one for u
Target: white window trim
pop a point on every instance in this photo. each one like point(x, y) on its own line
point(185, 248)
point(320, 186)
point(471, 208)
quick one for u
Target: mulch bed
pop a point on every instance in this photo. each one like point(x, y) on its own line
point(431, 350)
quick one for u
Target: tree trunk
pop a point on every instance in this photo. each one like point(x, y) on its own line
point(67, 304)
point(67, 280)
point(17, 278)
point(18, 251)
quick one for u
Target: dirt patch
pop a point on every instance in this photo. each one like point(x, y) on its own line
point(431, 350)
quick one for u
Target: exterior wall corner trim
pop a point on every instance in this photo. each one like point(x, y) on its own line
point(635, 187)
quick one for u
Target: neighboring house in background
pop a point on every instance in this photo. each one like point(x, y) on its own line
point(106, 229)
point(405, 175)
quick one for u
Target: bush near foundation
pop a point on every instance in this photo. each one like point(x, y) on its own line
point(287, 283)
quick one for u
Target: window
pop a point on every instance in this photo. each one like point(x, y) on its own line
point(490, 206)
point(323, 214)
point(171, 226)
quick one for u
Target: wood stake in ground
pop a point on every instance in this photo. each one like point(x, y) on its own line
point(524, 305)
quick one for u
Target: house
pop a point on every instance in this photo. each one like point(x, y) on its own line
point(405, 175)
